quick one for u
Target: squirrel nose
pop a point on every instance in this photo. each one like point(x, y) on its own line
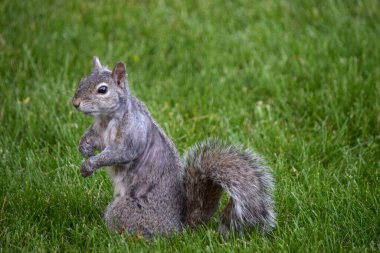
point(76, 102)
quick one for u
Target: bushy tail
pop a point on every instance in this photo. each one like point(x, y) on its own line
point(210, 168)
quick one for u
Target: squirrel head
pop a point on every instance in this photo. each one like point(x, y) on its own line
point(102, 91)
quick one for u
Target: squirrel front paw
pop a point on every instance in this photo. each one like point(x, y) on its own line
point(86, 169)
point(86, 149)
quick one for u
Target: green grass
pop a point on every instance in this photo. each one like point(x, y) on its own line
point(299, 81)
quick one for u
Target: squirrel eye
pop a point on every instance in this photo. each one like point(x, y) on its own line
point(102, 89)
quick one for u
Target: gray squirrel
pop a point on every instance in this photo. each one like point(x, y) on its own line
point(154, 190)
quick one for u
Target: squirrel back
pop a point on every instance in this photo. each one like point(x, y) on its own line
point(154, 191)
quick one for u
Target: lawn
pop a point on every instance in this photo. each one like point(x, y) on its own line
point(298, 81)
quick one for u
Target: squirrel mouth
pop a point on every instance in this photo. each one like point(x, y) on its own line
point(86, 112)
point(92, 113)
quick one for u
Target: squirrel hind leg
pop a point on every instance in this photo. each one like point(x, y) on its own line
point(126, 215)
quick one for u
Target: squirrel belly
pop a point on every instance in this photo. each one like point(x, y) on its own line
point(156, 192)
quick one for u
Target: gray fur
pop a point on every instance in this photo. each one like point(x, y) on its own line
point(212, 167)
point(154, 192)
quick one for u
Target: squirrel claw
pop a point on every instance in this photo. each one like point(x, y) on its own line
point(86, 151)
point(86, 169)
point(85, 148)
point(85, 173)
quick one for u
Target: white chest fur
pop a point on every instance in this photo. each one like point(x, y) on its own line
point(107, 132)
point(107, 136)
point(119, 189)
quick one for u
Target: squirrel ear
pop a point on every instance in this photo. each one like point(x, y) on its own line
point(119, 73)
point(96, 63)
